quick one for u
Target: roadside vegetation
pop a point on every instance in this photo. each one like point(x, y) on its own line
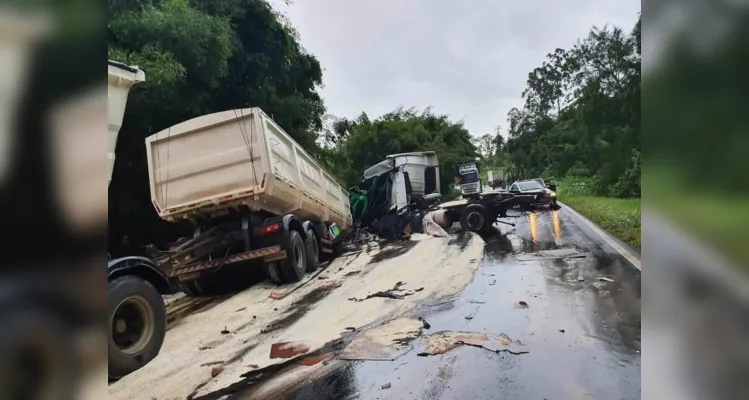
point(581, 113)
point(620, 217)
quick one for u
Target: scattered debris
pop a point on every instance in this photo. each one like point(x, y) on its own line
point(476, 302)
point(551, 255)
point(581, 278)
point(521, 304)
point(253, 366)
point(385, 342)
point(603, 279)
point(276, 296)
point(426, 324)
point(225, 331)
point(442, 342)
point(561, 330)
point(419, 289)
point(390, 293)
point(208, 364)
point(201, 348)
point(241, 309)
point(492, 283)
point(430, 227)
point(322, 277)
point(351, 273)
point(216, 370)
point(310, 361)
point(350, 328)
point(275, 309)
point(287, 349)
point(469, 317)
point(386, 386)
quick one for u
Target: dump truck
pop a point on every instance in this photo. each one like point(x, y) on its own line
point(256, 199)
point(137, 315)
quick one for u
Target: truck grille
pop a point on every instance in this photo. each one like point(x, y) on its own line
point(471, 188)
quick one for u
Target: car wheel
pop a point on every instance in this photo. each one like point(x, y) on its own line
point(313, 251)
point(137, 324)
point(476, 218)
point(295, 265)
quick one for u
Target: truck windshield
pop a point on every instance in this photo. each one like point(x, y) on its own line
point(469, 177)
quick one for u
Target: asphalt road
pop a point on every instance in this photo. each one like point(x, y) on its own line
point(581, 326)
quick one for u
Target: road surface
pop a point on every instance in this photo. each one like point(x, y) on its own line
point(545, 310)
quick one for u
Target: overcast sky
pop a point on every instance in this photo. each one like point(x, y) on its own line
point(469, 59)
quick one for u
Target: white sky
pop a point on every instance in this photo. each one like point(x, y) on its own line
point(469, 59)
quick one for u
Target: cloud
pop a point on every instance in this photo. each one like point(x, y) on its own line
point(468, 59)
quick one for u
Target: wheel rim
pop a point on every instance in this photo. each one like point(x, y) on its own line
point(475, 220)
point(132, 325)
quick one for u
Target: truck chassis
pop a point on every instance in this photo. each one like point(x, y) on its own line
point(478, 213)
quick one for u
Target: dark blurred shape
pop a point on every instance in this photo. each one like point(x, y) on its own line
point(696, 200)
point(52, 147)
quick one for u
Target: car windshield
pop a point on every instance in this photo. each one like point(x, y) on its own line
point(529, 185)
point(469, 177)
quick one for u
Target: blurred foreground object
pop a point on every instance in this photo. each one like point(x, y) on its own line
point(17, 34)
point(695, 201)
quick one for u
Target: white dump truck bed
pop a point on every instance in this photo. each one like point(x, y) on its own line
point(239, 157)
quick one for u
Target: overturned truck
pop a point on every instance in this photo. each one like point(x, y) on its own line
point(254, 196)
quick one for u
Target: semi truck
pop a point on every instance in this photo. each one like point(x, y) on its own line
point(470, 179)
point(256, 198)
point(137, 315)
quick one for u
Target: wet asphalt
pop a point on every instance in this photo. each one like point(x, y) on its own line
point(582, 333)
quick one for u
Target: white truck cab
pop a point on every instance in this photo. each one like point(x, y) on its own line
point(469, 179)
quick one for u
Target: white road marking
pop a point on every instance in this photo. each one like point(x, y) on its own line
point(606, 238)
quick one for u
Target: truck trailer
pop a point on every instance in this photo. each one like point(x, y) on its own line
point(256, 198)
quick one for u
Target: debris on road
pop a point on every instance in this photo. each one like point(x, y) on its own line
point(314, 360)
point(603, 279)
point(419, 289)
point(426, 324)
point(476, 302)
point(350, 328)
point(287, 349)
point(386, 342)
point(386, 386)
point(225, 331)
point(492, 283)
point(430, 227)
point(521, 304)
point(561, 330)
point(208, 364)
point(351, 273)
point(389, 294)
point(469, 317)
point(442, 342)
point(216, 370)
point(551, 255)
point(241, 309)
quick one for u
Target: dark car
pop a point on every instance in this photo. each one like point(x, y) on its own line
point(544, 195)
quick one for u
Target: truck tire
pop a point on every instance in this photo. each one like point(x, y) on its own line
point(29, 332)
point(476, 218)
point(273, 272)
point(191, 288)
point(313, 251)
point(294, 266)
point(137, 324)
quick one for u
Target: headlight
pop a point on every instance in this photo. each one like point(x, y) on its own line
point(553, 194)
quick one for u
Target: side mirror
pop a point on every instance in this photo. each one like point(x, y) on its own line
point(552, 187)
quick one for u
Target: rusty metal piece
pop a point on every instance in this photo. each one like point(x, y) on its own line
point(216, 370)
point(287, 349)
point(309, 361)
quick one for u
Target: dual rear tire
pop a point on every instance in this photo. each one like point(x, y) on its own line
point(303, 255)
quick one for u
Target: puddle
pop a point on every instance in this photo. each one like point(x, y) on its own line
point(460, 240)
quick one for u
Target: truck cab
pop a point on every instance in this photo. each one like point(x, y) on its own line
point(469, 179)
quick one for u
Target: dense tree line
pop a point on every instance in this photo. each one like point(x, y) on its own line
point(581, 116)
point(204, 56)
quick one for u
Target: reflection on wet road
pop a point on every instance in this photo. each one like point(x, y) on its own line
point(581, 325)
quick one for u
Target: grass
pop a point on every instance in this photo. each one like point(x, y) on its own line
point(619, 217)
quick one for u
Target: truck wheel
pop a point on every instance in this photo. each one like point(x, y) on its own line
point(191, 288)
point(273, 272)
point(476, 218)
point(313, 251)
point(137, 324)
point(294, 266)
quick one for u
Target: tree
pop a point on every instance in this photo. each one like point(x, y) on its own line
point(200, 57)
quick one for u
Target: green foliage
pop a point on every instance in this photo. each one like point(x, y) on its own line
point(366, 142)
point(200, 57)
point(620, 217)
point(581, 115)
